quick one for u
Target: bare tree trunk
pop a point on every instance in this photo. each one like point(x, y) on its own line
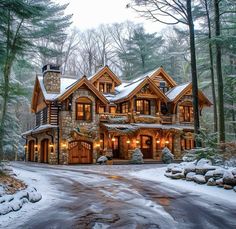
point(221, 118)
point(211, 69)
point(193, 71)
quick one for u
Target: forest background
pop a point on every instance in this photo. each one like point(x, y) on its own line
point(36, 33)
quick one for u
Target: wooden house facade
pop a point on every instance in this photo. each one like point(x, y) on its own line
point(77, 120)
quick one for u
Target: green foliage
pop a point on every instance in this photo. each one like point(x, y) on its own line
point(142, 52)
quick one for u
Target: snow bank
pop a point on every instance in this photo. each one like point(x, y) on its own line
point(157, 175)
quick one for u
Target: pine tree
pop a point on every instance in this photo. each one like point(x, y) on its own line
point(142, 52)
point(22, 23)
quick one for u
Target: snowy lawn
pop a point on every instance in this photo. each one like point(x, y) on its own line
point(40, 183)
point(157, 175)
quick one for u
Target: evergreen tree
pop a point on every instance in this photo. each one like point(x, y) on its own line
point(22, 23)
point(142, 52)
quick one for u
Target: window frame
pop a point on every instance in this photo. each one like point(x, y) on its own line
point(142, 109)
point(83, 118)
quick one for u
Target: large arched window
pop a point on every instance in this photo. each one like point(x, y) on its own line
point(84, 109)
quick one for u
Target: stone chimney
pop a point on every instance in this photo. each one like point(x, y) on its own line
point(52, 78)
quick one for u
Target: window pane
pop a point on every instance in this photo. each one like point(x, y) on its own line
point(109, 87)
point(87, 112)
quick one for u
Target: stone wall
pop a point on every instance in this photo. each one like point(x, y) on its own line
point(52, 155)
point(68, 123)
point(52, 82)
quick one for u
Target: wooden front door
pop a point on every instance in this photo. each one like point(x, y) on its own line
point(116, 147)
point(44, 151)
point(31, 150)
point(80, 152)
point(146, 146)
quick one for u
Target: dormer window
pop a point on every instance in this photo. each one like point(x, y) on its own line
point(101, 87)
point(109, 87)
point(163, 86)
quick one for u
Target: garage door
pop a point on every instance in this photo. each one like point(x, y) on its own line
point(80, 152)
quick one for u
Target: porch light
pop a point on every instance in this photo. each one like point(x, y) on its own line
point(64, 145)
point(113, 139)
point(51, 147)
point(158, 141)
point(36, 147)
point(128, 141)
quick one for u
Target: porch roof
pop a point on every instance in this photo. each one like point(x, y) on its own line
point(164, 127)
point(39, 129)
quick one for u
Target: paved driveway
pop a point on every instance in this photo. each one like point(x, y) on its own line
point(107, 197)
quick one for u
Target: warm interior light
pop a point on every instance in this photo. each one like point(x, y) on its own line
point(51, 145)
point(167, 142)
point(128, 141)
point(137, 141)
point(101, 140)
point(113, 139)
point(97, 145)
point(25, 146)
point(158, 141)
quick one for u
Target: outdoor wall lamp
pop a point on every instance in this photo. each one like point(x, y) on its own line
point(36, 147)
point(64, 145)
point(51, 147)
point(113, 139)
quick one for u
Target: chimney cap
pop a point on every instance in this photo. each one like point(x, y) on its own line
point(51, 68)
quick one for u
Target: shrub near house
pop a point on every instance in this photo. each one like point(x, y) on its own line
point(77, 120)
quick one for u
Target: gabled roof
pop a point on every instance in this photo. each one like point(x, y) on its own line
point(177, 92)
point(78, 84)
point(127, 90)
point(68, 85)
point(157, 72)
point(103, 70)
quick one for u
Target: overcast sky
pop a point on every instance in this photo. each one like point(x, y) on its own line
point(88, 14)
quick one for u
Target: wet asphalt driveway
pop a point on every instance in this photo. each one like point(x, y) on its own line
point(106, 197)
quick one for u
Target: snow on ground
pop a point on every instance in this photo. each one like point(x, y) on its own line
point(12, 219)
point(157, 175)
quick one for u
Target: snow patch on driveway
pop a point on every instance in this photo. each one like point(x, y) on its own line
point(157, 175)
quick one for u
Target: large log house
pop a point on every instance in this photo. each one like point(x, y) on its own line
point(76, 120)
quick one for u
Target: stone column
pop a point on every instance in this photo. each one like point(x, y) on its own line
point(177, 145)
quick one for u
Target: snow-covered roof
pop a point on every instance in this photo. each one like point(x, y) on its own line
point(143, 76)
point(99, 69)
point(66, 83)
point(125, 89)
point(164, 127)
point(38, 129)
point(175, 91)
